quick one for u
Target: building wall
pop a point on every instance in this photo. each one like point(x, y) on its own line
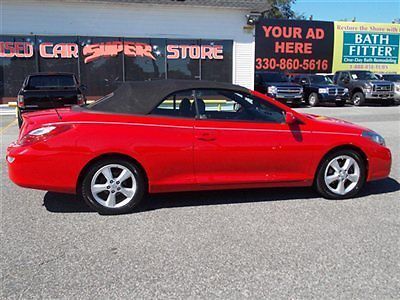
point(134, 20)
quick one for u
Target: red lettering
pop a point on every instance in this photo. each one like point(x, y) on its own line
point(43, 51)
point(174, 49)
point(16, 49)
point(285, 32)
point(293, 47)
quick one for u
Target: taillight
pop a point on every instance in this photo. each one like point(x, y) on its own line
point(43, 133)
point(81, 99)
point(20, 101)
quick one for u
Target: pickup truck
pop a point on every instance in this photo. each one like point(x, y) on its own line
point(365, 87)
point(48, 90)
point(395, 78)
point(320, 89)
point(277, 85)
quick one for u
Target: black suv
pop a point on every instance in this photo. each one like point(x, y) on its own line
point(48, 90)
point(364, 87)
point(277, 85)
point(320, 88)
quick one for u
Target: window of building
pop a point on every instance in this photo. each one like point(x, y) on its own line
point(58, 54)
point(144, 59)
point(101, 67)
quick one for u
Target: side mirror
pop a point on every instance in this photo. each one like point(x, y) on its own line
point(290, 118)
point(83, 87)
point(303, 81)
point(346, 80)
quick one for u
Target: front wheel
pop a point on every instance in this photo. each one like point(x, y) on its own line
point(113, 186)
point(358, 99)
point(341, 175)
point(313, 99)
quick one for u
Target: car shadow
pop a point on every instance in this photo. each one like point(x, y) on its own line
point(66, 203)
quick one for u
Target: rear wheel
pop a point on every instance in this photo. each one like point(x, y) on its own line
point(313, 99)
point(358, 99)
point(341, 175)
point(113, 186)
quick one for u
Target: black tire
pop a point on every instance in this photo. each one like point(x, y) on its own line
point(84, 190)
point(19, 117)
point(313, 100)
point(358, 99)
point(340, 103)
point(320, 184)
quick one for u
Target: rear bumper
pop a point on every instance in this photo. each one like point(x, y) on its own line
point(44, 168)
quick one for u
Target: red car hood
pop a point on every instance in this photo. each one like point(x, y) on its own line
point(334, 124)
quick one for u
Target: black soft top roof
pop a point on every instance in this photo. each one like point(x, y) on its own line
point(141, 97)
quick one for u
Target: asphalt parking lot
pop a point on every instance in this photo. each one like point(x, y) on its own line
point(280, 243)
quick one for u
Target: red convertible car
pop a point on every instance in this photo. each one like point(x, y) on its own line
point(168, 136)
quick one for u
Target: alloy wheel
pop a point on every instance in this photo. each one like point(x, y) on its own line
point(342, 174)
point(312, 100)
point(356, 100)
point(113, 186)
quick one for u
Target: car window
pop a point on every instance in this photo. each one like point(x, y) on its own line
point(231, 106)
point(363, 75)
point(320, 79)
point(344, 76)
point(180, 104)
point(51, 82)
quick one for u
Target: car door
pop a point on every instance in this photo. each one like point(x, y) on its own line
point(344, 80)
point(169, 148)
point(234, 148)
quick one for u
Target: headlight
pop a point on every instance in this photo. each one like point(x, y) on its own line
point(368, 88)
point(397, 87)
point(322, 91)
point(301, 90)
point(373, 136)
point(272, 90)
point(346, 90)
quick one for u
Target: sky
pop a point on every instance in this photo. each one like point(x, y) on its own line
point(384, 11)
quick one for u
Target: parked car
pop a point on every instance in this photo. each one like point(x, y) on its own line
point(395, 78)
point(48, 90)
point(170, 136)
point(320, 89)
point(277, 85)
point(365, 87)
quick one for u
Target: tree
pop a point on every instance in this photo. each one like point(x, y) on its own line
point(282, 9)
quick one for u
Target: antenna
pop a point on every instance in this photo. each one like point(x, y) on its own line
point(54, 106)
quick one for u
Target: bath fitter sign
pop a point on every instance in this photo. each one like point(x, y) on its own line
point(370, 48)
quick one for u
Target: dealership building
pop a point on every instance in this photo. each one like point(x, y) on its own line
point(105, 42)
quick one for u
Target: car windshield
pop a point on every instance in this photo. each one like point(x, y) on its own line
point(274, 77)
point(320, 79)
point(394, 78)
point(363, 75)
point(51, 82)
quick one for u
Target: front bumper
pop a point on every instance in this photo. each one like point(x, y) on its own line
point(287, 97)
point(379, 163)
point(379, 95)
point(333, 98)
